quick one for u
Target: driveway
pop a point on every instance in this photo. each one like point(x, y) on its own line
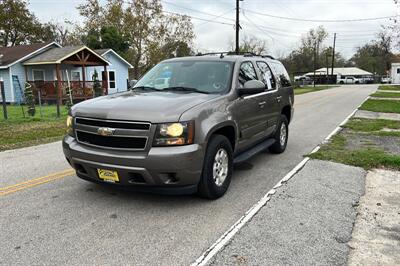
point(71, 221)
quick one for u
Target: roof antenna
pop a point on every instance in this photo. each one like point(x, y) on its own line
point(221, 56)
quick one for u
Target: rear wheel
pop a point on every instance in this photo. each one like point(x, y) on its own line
point(281, 136)
point(217, 168)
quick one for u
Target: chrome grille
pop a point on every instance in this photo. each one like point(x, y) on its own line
point(126, 135)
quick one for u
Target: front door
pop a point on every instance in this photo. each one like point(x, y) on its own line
point(247, 110)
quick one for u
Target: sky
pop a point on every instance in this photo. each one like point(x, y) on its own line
point(213, 20)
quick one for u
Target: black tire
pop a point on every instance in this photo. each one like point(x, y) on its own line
point(341, 82)
point(207, 186)
point(278, 146)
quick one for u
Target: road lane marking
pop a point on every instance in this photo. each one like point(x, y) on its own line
point(226, 237)
point(35, 182)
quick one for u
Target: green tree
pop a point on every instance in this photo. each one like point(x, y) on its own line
point(301, 60)
point(149, 34)
point(107, 37)
point(18, 25)
point(375, 56)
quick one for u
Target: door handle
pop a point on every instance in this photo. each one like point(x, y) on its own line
point(261, 104)
point(279, 98)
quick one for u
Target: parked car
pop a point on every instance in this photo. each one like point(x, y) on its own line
point(367, 80)
point(386, 80)
point(183, 137)
point(302, 80)
point(348, 80)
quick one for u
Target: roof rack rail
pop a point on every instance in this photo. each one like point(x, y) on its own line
point(249, 54)
point(242, 53)
point(268, 56)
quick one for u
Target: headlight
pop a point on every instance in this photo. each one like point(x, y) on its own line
point(173, 134)
point(70, 130)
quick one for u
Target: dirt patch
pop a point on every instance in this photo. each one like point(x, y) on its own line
point(376, 234)
point(389, 144)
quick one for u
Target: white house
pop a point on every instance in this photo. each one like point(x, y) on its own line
point(395, 73)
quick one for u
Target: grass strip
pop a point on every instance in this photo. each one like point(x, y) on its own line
point(367, 158)
point(383, 94)
point(389, 87)
point(385, 106)
point(307, 89)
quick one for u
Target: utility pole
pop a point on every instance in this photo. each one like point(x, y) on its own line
point(327, 68)
point(237, 27)
point(333, 56)
point(315, 61)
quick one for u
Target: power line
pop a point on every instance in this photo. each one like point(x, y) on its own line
point(198, 11)
point(203, 19)
point(320, 20)
point(216, 17)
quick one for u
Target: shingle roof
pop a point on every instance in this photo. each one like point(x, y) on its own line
point(101, 51)
point(14, 53)
point(53, 55)
point(56, 55)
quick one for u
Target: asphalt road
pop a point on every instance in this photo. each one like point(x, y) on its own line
point(308, 221)
point(71, 221)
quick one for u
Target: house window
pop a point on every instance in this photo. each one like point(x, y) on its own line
point(398, 71)
point(38, 75)
point(75, 75)
point(111, 79)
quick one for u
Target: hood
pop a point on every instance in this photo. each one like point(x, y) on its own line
point(154, 107)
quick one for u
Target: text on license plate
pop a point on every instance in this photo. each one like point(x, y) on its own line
point(108, 175)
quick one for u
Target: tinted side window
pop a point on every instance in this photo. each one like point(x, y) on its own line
point(267, 76)
point(246, 73)
point(282, 75)
point(285, 79)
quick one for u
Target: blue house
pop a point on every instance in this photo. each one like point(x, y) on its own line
point(51, 69)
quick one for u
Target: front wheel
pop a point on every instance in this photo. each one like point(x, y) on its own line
point(217, 168)
point(281, 136)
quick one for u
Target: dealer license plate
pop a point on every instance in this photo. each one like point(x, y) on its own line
point(108, 175)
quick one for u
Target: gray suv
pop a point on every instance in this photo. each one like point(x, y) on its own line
point(183, 125)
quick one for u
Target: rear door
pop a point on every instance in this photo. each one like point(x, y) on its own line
point(270, 99)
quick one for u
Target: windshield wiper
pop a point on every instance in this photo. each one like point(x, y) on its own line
point(181, 88)
point(145, 88)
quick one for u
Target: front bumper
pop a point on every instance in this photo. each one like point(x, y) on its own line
point(159, 169)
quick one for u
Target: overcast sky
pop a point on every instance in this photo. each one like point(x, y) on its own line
point(281, 35)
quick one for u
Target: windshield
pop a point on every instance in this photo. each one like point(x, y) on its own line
point(191, 76)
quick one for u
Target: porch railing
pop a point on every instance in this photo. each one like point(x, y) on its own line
point(48, 90)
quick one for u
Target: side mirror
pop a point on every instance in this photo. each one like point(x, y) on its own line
point(252, 87)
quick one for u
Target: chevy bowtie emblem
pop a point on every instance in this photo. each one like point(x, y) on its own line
point(106, 131)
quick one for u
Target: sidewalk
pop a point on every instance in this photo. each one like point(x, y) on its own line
point(310, 221)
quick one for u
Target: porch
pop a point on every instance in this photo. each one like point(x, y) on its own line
point(54, 73)
point(47, 91)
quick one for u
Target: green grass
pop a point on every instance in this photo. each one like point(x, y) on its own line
point(385, 106)
point(307, 89)
point(15, 115)
point(366, 158)
point(389, 87)
point(371, 125)
point(18, 132)
point(383, 94)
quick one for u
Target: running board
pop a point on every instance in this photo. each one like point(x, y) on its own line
point(244, 156)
